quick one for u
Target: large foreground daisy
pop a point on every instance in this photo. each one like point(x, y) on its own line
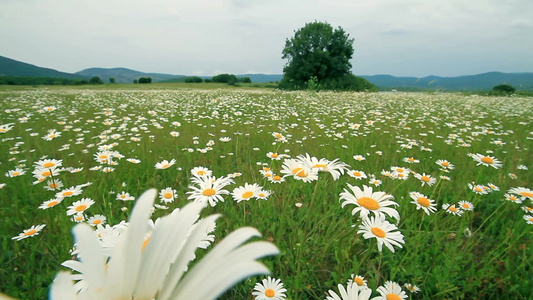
point(390, 290)
point(32, 231)
point(367, 201)
point(423, 202)
point(299, 171)
point(525, 193)
point(157, 268)
point(486, 160)
point(246, 192)
point(165, 164)
point(269, 288)
point(210, 190)
point(384, 232)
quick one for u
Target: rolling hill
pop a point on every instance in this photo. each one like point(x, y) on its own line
point(123, 75)
point(479, 82)
point(11, 67)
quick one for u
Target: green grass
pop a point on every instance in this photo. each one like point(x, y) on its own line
point(319, 247)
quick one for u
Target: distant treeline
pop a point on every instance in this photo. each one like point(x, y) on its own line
point(230, 79)
point(29, 80)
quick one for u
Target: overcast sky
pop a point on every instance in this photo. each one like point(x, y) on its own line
point(202, 37)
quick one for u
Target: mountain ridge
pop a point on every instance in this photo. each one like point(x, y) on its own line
point(476, 82)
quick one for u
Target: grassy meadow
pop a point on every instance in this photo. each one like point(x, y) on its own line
point(478, 250)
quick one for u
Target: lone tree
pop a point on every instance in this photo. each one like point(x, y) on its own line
point(504, 89)
point(96, 80)
point(145, 80)
point(319, 58)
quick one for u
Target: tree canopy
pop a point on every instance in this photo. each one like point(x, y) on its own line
point(504, 88)
point(320, 55)
point(96, 80)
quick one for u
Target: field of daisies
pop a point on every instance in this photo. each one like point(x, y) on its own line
point(259, 194)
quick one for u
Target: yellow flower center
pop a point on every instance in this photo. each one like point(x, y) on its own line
point(80, 207)
point(15, 174)
point(53, 203)
point(3, 130)
point(393, 297)
point(356, 174)
point(201, 172)
point(168, 195)
point(96, 222)
point(465, 205)
point(368, 203)
point(425, 178)
point(274, 155)
point(526, 194)
point(209, 192)
point(298, 172)
point(445, 163)
point(31, 232)
point(67, 193)
point(487, 160)
point(400, 170)
point(165, 166)
point(247, 195)
point(453, 208)
point(53, 185)
point(423, 201)
point(378, 232)
point(478, 189)
point(411, 159)
point(276, 178)
point(46, 173)
point(278, 135)
point(359, 281)
point(319, 166)
point(49, 165)
point(52, 136)
point(270, 293)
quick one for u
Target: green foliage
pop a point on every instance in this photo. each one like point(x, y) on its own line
point(225, 78)
point(111, 79)
point(312, 84)
point(504, 89)
point(135, 81)
point(349, 82)
point(194, 79)
point(230, 79)
point(145, 80)
point(96, 80)
point(245, 79)
point(320, 55)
